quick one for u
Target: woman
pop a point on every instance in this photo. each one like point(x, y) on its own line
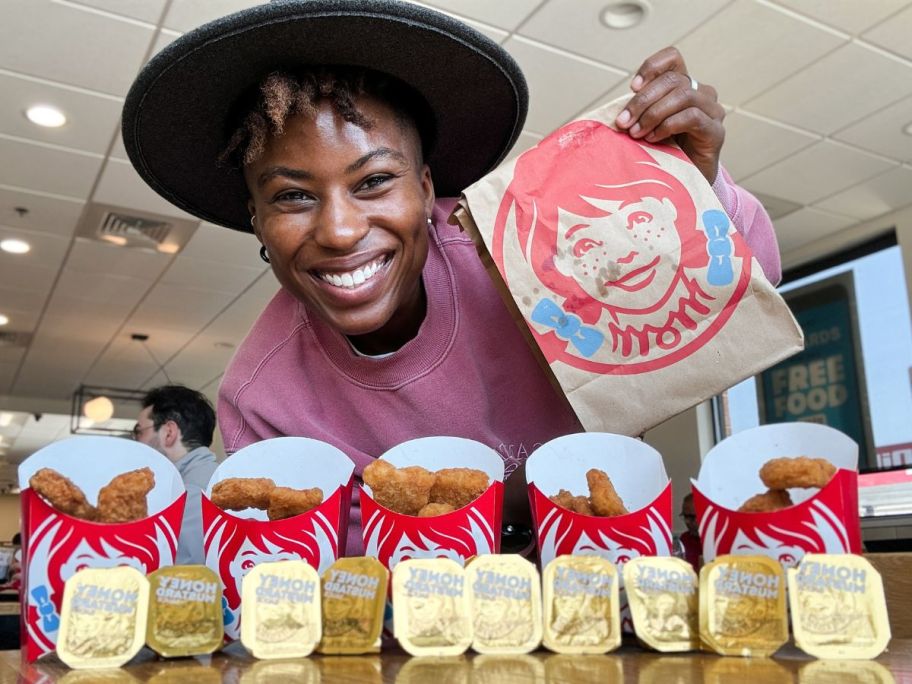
point(387, 326)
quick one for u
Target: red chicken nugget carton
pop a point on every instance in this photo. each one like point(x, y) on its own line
point(56, 544)
point(236, 541)
point(823, 520)
point(638, 474)
point(471, 530)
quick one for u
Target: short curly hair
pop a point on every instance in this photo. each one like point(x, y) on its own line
point(282, 94)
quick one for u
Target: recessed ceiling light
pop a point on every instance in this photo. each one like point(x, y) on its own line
point(45, 115)
point(14, 246)
point(169, 248)
point(624, 15)
point(4, 319)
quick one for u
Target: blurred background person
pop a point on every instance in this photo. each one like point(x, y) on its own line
point(690, 538)
point(179, 422)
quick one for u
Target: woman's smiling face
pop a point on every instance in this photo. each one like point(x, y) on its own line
point(617, 258)
point(342, 211)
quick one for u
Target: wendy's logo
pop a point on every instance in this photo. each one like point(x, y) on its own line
point(630, 271)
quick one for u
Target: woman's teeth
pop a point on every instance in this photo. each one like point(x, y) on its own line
point(354, 278)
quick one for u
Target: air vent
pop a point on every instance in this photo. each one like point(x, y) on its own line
point(11, 338)
point(133, 229)
point(123, 229)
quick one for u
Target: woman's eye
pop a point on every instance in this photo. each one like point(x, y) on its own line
point(374, 182)
point(292, 196)
point(638, 217)
point(580, 247)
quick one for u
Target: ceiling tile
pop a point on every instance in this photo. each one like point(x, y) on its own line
point(101, 290)
point(184, 15)
point(91, 119)
point(524, 142)
point(29, 301)
point(44, 214)
point(7, 373)
point(35, 167)
point(506, 15)
point(204, 274)
point(752, 144)
point(230, 247)
point(559, 85)
point(743, 32)
point(886, 192)
point(816, 172)
point(121, 186)
point(178, 308)
point(850, 16)
point(847, 84)
point(574, 25)
point(805, 226)
point(882, 132)
point(76, 47)
point(144, 10)
point(16, 275)
point(11, 354)
point(21, 318)
point(46, 249)
point(894, 34)
point(200, 361)
point(88, 256)
point(776, 207)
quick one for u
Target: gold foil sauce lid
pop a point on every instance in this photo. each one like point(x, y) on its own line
point(431, 607)
point(103, 617)
point(662, 595)
point(354, 598)
point(581, 605)
point(185, 611)
point(505, 599)
point(838, 607)
point(280, 603)
point(742, 606)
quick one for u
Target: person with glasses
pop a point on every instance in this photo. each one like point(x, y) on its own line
point(178, 422)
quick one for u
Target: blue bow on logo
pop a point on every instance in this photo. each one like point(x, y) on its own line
point(49, 618)
point(568, 327)
point(719, 247)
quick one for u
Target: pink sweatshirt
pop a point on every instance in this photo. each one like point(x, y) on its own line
point(468, 372)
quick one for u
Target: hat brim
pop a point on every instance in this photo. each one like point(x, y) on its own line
point(176, 115)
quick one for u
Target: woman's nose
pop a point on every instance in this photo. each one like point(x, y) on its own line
point(341, 225)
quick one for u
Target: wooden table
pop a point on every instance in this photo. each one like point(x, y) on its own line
point(629, 664)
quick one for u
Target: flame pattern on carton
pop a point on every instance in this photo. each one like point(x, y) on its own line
point(817, 525)
point(645, 531)
point(469, 531)
point(57, 545)
point(234, 543)
point(234, 546)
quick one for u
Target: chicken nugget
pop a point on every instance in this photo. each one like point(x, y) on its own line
point(123, 499)
point(284, 502)
point(772, 500)
point(405, 490)
point(62, 494)
point(458, 486)
point(577, 504)
point(602, 496)
point(434, 509)
point(785, 473)
point(238, 493)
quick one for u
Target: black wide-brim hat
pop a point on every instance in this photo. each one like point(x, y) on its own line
point(177, 117)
